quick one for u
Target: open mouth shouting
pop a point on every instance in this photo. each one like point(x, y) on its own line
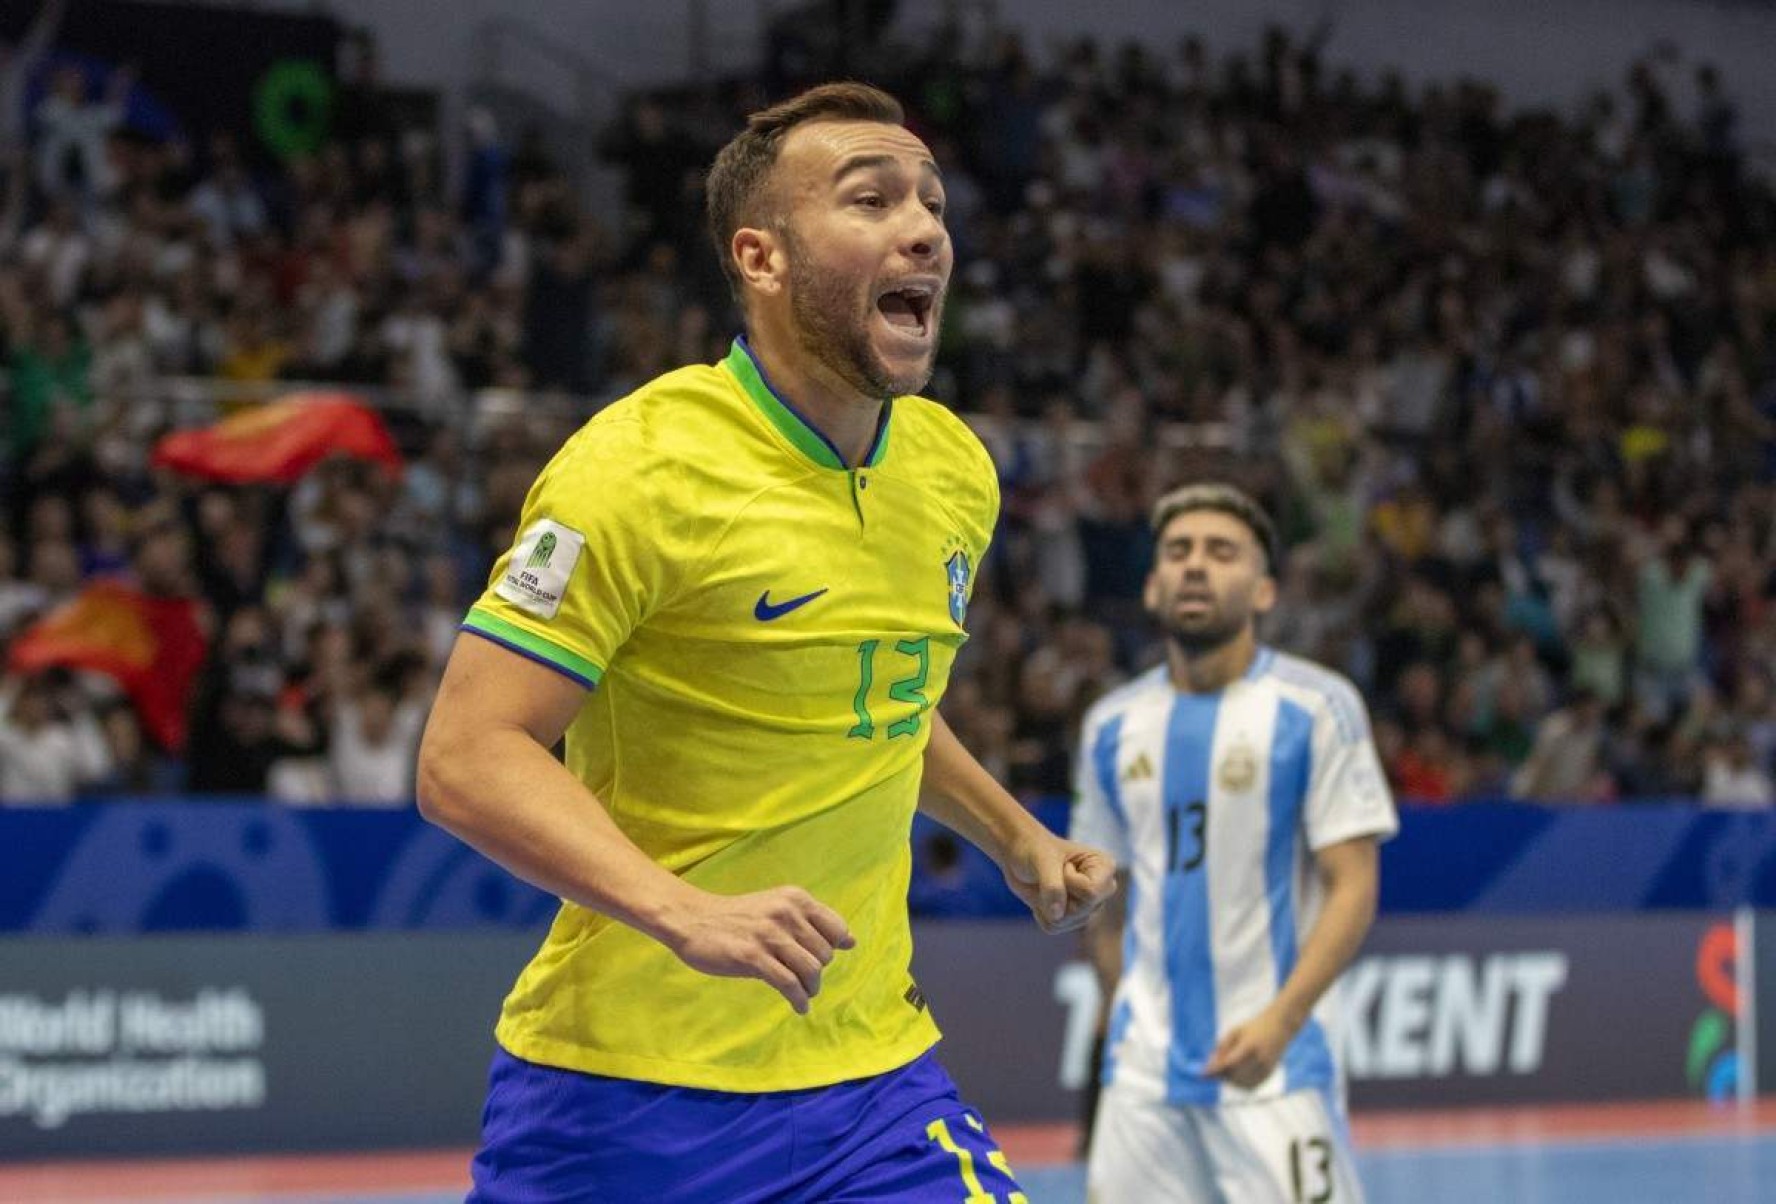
point(909, 309)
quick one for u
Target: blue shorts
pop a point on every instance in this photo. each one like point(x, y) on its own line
point(559, 1135)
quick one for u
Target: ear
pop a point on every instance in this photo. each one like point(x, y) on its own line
point(1264, 595)
point(758, 254)
point(1150, 594)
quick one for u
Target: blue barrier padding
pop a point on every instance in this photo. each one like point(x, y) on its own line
point(1517, 858)
point(131, 866)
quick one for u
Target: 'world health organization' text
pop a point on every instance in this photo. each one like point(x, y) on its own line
point(132, 1052)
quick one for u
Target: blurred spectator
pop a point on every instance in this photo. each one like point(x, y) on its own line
point(1730, 778)
point(661, 164)
point(57, 253)
point(161, 562)
point(373, 743)
point(443, 609)
point(1670, 590)
point(55, 571)
point(18, 63)
point(559, 313)
point(1566, 763)
point(74, 131)
point(252, 352)
point(134, 770)
point(238, 730)
point(1599, 659)
point(1425, 768)
point(486, 184)
point(363, 114)
point(226, 203)
point(48, 371)
point(51, 744)
point(105, 549)
point(20, 599)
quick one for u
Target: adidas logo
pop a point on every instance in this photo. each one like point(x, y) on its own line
point(1138, 770)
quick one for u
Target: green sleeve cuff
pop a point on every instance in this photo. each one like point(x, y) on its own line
point(533, 647)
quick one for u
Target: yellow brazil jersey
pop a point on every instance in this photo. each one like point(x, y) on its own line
point(767, 632)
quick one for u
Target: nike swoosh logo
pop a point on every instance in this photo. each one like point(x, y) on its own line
point(765, 610)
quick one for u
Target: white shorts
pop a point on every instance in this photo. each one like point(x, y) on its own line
point(1294, 1149)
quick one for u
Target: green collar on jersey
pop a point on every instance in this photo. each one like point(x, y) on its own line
point(802, 434)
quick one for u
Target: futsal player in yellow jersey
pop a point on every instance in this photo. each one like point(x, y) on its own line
point(738, 593)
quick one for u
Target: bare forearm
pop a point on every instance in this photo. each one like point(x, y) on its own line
point(532, 816)
point(961, 795)
point(49, 17)
point(1333, 942)
point(485, 773)
point(1061, 882)
point(1103, 945)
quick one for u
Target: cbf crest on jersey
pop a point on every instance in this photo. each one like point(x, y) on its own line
point(957, 571)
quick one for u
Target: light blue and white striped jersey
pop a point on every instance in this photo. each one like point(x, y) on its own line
point(1214, 804)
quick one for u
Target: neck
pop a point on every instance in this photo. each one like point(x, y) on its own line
point(1211, 670)
point(845, 416)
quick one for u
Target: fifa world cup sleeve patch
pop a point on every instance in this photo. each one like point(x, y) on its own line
point(537, 572)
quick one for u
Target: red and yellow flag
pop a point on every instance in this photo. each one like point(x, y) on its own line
point(153, 647)
point(280, 441)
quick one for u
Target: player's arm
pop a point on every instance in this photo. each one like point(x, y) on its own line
point(42, 32)
point(486, 774)
point(1350, 873)
point(1061, 881)
point(1096, 818)
point(1103, 937)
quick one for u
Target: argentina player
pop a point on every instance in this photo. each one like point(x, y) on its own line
point(1240, 792)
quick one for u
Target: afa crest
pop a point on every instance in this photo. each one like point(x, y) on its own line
point(959, 573)
point(1239, 769)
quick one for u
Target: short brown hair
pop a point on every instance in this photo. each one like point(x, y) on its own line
point(1223, 499)
point(736, 181)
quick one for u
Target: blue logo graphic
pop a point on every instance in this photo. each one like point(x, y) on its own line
point(766, 610)
point(957, 570)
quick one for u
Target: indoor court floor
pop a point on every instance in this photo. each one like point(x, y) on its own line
point(1663, 1153)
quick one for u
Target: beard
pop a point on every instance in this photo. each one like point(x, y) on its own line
point(831, 327)
point(1216, 628)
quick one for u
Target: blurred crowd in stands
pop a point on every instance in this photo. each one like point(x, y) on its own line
point(1507, 377)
